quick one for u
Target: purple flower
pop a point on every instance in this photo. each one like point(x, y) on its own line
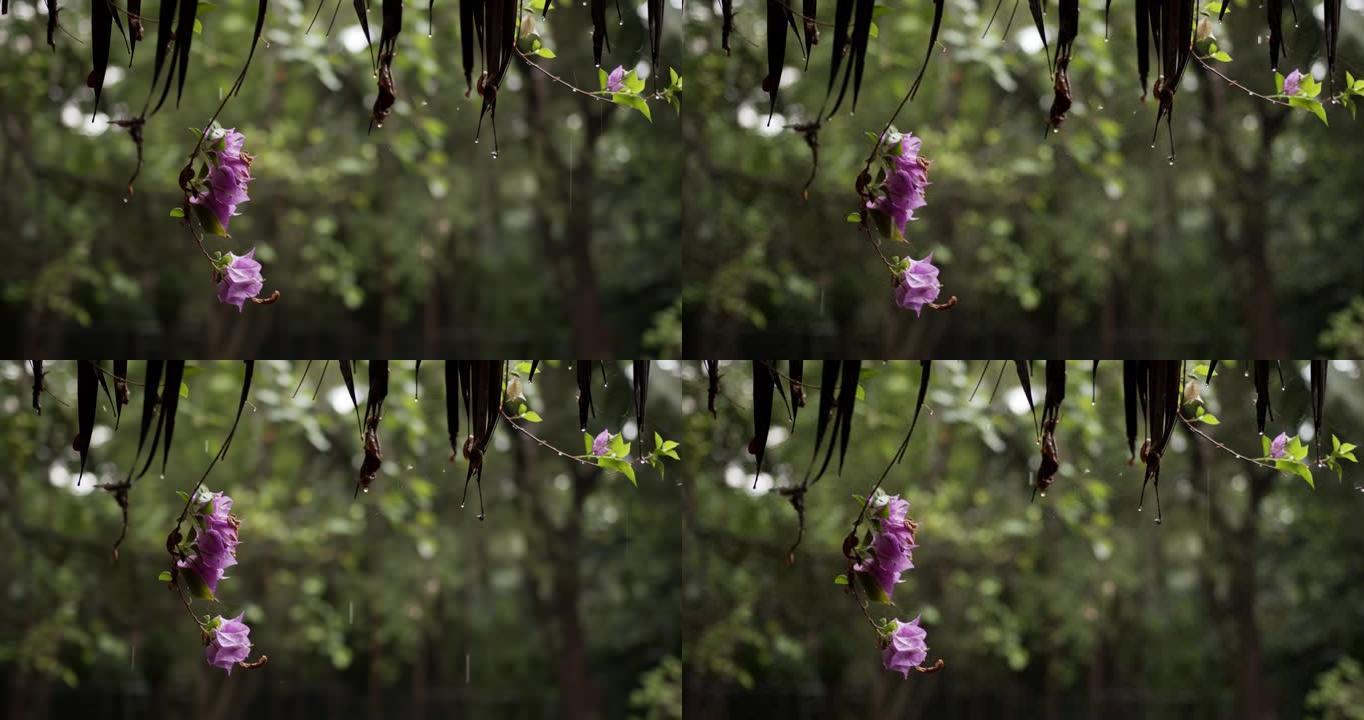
point(229, 644)
point(228, 175)
point(239, 280)
point(918, 285)
point(1279, 447)
point(215, 542)
point(906, 648)
point(601, 445)
point(905, 184)
point(615, 82)
point(892, 544)
point(1292, 83)
point(232, 142)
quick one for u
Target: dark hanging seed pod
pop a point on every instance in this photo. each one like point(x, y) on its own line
point(1317, 377)
point(134, 28)
point(585, 409)
point(530, 377)
point(120, 389)
point(843, 12)
point(764, 382)
point(712, 368)
point(861, 38)
point(348, 376)
point(847, 401)
point(362, 14)
point(378, 390)
point(1163, 384)
point(1051, 417)
point(388, 48)
point(777, 20)
point(1024, 370)
point(170, 402)
point(374, 412)
point(828, 399)
point(150, 401)
point(1130, 370)
point(655, 10)
point(87, 395)
point(1212, 368)
point(417, 380)
point(452, 406)
point(797, 368)
point(467, 33)
point(599, 36)
point(726, 23)
point(38, 386)
point(101, 34)
point(184, 34)
point(165, 25)
point(640, 378)
point(1262, 406)
point(1144, 42)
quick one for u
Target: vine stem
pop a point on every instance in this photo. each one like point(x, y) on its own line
point(581, 459)
point(1206, 66)
point(594, 94)
point(1193, 427)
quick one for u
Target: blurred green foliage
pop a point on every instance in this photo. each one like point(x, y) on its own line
point(1086, 242)
point(1074, 604)
point(410, 238)
point(563, 602)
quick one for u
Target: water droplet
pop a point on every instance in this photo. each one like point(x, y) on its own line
point(366, 489)
point(409, 467)
point(494, 154)
point(1043, 493)
point(1158, 521)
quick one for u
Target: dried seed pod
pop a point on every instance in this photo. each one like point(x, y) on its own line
point(101, 34)
point(712, 368)
point(640, 381)
point(1317, 378)
point(348, 376)
point(120, 389)
point(764, 383)
point(828, 402)
point(797, 372)
point(452, 373)
point(87, 393)
point(585, 408)
point(1262, 407)
point(38, 386)
point(1051, 417)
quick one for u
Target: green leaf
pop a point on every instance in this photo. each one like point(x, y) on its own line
point(634, 82)
point(634, 102)
point(198, 27)
point(177, 212)
point(184, 390)
point(545, 52)
point(1209, 419)
point(1221, 56)
point(587, 444)
point(1296, 468)
point(531, 416)
point(1311, 105)
point(165, 576)
point(840, 579)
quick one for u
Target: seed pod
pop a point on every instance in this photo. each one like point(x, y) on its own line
point(87, 393)
point(585, 409)
point(763, 385)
